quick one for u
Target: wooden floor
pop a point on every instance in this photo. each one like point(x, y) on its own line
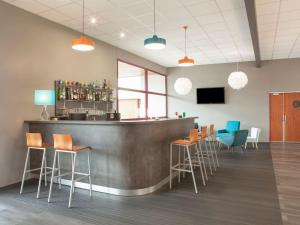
point(286, 160)
point(242, 192)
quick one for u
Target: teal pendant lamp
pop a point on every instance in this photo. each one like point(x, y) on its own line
point(155, 42)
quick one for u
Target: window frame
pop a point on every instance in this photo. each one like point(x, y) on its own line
point(146, 91)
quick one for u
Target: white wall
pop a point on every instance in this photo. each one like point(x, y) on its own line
point(249, 105)
point(33, 53)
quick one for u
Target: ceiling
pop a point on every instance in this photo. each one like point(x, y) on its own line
point(218, 29)
point(278, 28)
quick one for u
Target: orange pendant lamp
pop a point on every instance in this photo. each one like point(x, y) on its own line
point(186, 61)
point(83, 43)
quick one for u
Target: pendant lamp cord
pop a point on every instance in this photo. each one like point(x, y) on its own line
point(154, 20)
point(185, 27)
point(83, 17)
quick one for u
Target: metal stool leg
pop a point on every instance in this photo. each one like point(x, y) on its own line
point(215, 151)
point(208, 158)
point(25, 170)
point(58, 168)
point(191, 167)
point(184, 166)
point(171, 165)
point(41, 173)
point(203, 161)
point(200, 164)
point(212, 155)
point(72, 164)
point(72, 181)
point(52, 176)
point(179, 163)
point(45, 168)
point(90, 177)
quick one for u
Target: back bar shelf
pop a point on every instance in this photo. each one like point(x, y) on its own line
point(77, 97)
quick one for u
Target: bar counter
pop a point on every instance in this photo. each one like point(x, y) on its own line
point(128, 158)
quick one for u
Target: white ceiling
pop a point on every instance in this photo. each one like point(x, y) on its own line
point(218, 29)
point(279, 28)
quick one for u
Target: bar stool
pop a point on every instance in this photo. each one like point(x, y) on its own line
point(208, 152)
point(211, 138)
point(63, 143)
point(34, 142)
point(186, 145)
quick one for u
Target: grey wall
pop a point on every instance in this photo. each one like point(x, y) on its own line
point(33, 53)
point(249, 105)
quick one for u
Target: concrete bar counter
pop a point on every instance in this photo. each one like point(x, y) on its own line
point(128, 158)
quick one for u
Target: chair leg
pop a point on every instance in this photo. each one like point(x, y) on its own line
point(208, 158)
point(184, 166)
point(58, 168)
point(41, 173)
point(246, 145)
point(72, 181)
point(45, 168)
point(90, 176)
point(73, 190)
point(52, 176)
point(215, 151)
point(179, 163)
point(171, 164)
point(256, 145)
point(203, 161)
point(25, 170)
point(200, 164)
point(191, 167)
point(211, 154)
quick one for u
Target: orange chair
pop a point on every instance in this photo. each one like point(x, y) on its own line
point(186, 145)
point(63, 143)
point(34, 142)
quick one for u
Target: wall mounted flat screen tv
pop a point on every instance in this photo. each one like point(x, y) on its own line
point(215, 95)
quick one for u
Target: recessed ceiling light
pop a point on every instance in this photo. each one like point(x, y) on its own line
point(122, 35)
point(93, 20)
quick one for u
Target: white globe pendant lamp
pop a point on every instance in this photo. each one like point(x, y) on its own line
point(183, 86)
point(238, 79)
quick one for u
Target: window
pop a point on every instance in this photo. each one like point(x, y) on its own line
point(142, 93)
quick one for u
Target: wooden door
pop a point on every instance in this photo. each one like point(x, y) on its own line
point(276, 117)
point(292, 116)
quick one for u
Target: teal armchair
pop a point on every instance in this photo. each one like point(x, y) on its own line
point(231, 127)
point(234, 139)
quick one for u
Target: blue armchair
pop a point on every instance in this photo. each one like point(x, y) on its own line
point(231, 126)
point(235, 139)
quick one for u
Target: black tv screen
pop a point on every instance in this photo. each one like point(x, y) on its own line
point(211, 95)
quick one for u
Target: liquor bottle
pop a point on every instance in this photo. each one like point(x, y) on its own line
point(63, 93)
point(71, 93)
point(58, 92)
point(104, 86)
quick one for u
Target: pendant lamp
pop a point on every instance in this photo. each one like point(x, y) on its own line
point(155, 42)
point(186, 61)
point(238, 79)
point(83, 43)
point(183, 86)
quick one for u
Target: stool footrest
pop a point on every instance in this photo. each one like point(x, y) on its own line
point(184, 170)
point(82, 177)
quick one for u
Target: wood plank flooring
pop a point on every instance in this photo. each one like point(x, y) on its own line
point(242, 192)
point(286, 160)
